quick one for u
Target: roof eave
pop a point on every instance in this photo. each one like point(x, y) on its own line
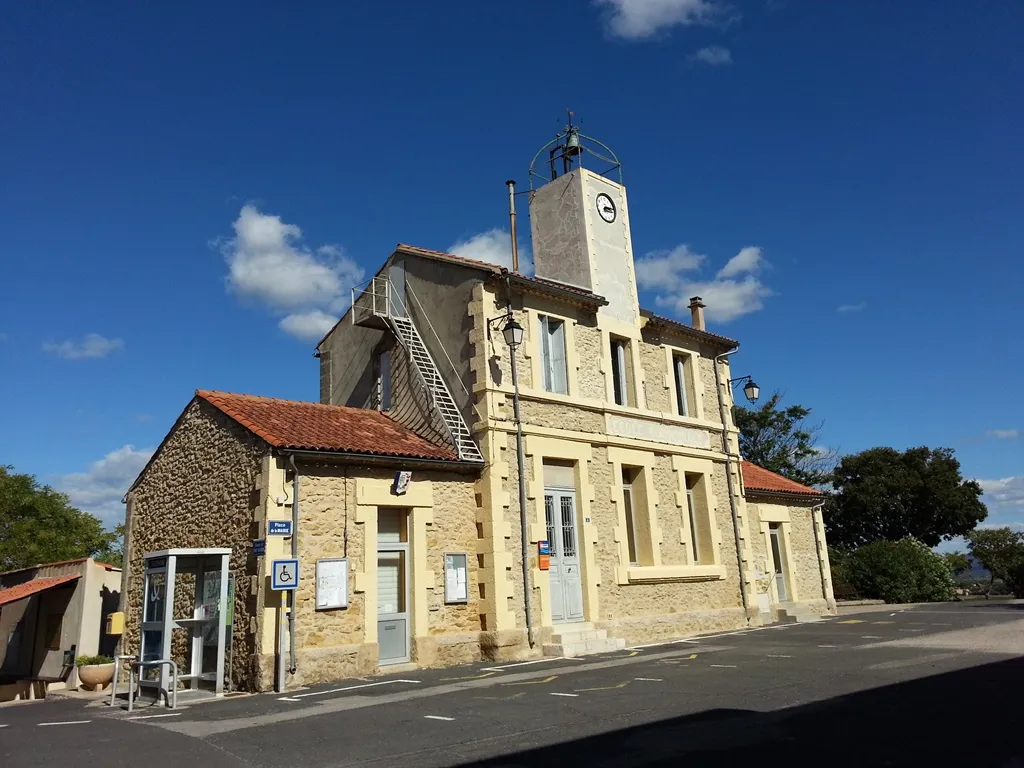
point(788, 495)
point(675, 326)
point(379, 459)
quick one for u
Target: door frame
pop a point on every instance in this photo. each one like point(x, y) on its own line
point(556, 544)
point(776, 532)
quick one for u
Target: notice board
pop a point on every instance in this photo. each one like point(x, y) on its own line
point(331, 583)
point(456, 577)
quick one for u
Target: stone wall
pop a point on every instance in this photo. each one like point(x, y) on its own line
point(200, 491)
point(804, 555)
point(712, 412)
point(589, 351)
point(652, 358)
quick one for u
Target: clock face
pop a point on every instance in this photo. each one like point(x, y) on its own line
point(605, 208)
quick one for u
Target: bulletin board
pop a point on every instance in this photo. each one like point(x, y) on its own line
point(456, 578)
point(331, 583)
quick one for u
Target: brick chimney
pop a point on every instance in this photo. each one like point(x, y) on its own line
point(697, 311)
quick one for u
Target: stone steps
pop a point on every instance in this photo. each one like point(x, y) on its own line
point(581, 639)
point(796, 613)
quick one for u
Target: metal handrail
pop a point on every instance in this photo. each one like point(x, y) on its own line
point(171, 698)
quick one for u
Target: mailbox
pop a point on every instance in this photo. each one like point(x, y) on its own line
point(115, 623)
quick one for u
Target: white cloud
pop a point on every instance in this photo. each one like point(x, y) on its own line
point(851, 307)
point(268, 262)
point(747, 260)
point(99, 490)
point(90, 347)
point(638, 19)
point(1003, 434)
point(664, 269)
point(735, 290)
point(714, 55)
point(309, 326)
point(1005, 494)
point(494, 247)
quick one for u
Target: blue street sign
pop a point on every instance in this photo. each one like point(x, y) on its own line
point(543, 547)
point(284, 575)
point(279, 527)
point(259, 547)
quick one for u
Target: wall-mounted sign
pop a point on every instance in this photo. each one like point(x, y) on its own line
point(331, 583)
point(401, 482)
point(543, 547)
point(456, 578)
point(259, 547)
point(284, 575)
point(544, 562)
point(279, 527)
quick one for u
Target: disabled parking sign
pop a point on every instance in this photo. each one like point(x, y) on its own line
point(284, 575)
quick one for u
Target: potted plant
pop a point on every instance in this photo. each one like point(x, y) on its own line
point(96, 672)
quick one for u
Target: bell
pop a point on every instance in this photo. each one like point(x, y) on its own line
point(572, 142)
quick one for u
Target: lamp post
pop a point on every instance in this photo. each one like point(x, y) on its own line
point(513, 333)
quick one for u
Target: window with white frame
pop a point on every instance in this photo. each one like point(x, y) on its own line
point(552, 355)
point(682, 366)
point(622, 372)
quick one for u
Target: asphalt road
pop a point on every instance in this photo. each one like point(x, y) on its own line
point(937, 684)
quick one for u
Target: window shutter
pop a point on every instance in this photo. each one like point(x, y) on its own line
point(559, 381)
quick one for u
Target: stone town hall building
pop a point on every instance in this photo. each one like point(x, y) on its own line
point(407, 476)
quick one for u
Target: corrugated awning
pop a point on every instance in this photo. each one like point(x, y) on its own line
point(34, 587)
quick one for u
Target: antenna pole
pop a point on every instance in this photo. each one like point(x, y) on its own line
point(511, 184)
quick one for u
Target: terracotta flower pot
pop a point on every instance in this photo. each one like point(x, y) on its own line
point(96, 675)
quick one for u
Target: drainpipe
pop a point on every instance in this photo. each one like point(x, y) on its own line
point(527, 590)
point(733, 503)
point(295, 555)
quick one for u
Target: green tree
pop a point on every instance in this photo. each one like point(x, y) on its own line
point(39, 525)
point(881, 493)
point(958, 562)
point(779, 439)
point(113, 552)
point(999, 550)
point(905, 571)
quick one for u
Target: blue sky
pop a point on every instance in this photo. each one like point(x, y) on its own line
point(190, 191)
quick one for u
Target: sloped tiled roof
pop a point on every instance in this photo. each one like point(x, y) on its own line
point(317, 427)
point(687, 330)
point(59, 563)
point(757, 478)
point(29, 588)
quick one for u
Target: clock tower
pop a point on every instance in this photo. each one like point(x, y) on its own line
point(579, 222)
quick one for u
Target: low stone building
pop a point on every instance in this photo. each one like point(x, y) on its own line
point(50, 615)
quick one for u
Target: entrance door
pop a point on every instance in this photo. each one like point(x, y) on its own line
point(564, 576)
point(775, 534)
point(392, 585)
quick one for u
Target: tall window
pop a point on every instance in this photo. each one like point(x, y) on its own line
point(684, 377)
point(622, 372)
point(552, 354)
point(384, 383)
point(628, 475)
point(699, 519)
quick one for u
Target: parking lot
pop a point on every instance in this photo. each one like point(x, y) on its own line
point(869, 688)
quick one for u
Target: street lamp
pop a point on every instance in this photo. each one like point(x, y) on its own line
point(513, 333)
point(750, 389)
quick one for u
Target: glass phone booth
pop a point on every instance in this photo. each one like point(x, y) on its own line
point(187, 610)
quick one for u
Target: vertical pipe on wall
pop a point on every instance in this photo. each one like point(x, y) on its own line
point(511, 184)
point(733, 506)
point(295, 554)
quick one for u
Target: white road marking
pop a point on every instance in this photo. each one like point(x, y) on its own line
point(911, 630)
point(871, 637)
point(68, 722)
point(724, 666)
point(650, 679)
point(830, 646)
point(778, 656)
point(574, 695)
point(941, 624)
point(287, 698)
point(3, 725)
point(150, 717)
point(521, 664)
point(699, 638)
point(351, 688)
point(438, 717)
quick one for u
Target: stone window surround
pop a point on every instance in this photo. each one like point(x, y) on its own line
point(372, 493)
point(532, 351)
point(697, 405)
point(772, 513)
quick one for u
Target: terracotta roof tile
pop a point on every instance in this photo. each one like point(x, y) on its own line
point(757, 478)
point(689, 330)
point(317, 427)
point(74, 561)
point(29, 588)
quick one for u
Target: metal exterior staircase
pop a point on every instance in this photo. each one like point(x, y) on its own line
point(381, 301)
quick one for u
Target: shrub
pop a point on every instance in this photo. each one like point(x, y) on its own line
point(1015, 579)
point(904, 571)
point(83, 661)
